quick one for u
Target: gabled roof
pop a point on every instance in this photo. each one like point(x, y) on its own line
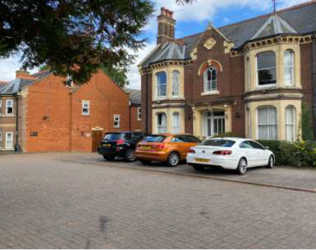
point(299, 19)
point(134, 95)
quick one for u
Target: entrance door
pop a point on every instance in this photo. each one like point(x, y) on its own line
point(214, 123)
point(96, 138)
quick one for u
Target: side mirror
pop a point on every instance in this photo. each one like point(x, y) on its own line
point(267, 148)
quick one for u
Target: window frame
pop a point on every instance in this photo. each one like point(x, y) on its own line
point(139, 113)
point(159, 85)
point(0, 107)
point(268, 124)
point(161, 127)
point(175, 85)
point(88, 108)
point(268, 68)
point(6, 140)
point(115, 120)
point(176, 129)
point(207, 82)
point(293, 124)
point(9, 106)
point(1, 139)
point(292, 67)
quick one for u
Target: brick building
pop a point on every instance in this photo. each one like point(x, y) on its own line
point(39, 113)
point(135, 109)
point(250, 78)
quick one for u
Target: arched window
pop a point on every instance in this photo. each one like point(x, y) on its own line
point(289, 67)
point(176, 123)
point(290, 123)
point(267, 123)
point(175, 83)
point(161, 84)
point(210, 79)
point(161, 123)
point(266, 68)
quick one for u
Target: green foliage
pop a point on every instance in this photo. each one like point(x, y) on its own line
point(117, 75)
point(306, 123)
point(296, 154)
point(73, 37)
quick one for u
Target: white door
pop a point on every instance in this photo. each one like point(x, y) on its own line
point(9, 140)
point(214, 123)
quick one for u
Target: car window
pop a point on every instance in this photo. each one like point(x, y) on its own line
point(219, 143)
point(246, 144)
point(128, 136)
point(256, 145)
point(193, 139)
point(154, 138)
point(112, 137)
point(137, 136)
point(177, 139)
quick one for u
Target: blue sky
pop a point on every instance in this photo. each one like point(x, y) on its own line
point(190, 19)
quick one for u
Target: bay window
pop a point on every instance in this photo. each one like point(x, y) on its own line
point(266, 67)
point(267, 123)
point(290, 124)
point(176, 123)
point(161, 123)
point(175, 83)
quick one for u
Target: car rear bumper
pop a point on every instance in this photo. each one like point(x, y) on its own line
point(112, 151)
point(220, 161)
point(151, 156)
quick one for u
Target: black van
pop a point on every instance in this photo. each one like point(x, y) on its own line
point(120, 144)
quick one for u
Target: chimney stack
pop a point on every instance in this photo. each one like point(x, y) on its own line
point(24, 74)
point(166, 26)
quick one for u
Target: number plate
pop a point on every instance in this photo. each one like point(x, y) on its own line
point(202, 160)
point(107, 145)
point(146, 148)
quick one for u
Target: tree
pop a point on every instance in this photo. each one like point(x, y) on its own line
point(118, 75)
point(75, 37)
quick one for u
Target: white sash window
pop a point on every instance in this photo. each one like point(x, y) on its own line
point(267, 124)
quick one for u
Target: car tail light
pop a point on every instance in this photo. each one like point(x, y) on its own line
point(191, 151)
point(120, 142)
point(222, 152)
point(160, 146)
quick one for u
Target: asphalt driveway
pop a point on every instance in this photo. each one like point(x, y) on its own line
point(279, 177)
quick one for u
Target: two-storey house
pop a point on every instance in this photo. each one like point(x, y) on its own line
point(249, 78)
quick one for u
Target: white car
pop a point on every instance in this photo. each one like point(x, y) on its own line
point(230, 153)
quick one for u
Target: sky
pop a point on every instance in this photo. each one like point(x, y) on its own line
point(191, 19)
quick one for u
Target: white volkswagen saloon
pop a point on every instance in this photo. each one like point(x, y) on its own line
point(230, 153)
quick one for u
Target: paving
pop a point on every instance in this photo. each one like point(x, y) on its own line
point(64, 201)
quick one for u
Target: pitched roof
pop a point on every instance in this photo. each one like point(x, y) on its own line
point(15, 86)
point(299, 19)
point(134, 95)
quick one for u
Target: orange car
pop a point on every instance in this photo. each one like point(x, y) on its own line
point(165, 148)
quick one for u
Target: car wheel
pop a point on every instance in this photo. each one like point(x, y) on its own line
point(173, 159)
point(145, 162)
point(108, 158)
point(242, 166)
point(198, 168)
point(130, 155)
point(270, 162)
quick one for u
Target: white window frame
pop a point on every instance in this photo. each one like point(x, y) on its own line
point(267, 123)
point(175, 88)
point(1, 139)
point(292, 125)
point(116, 121)
point(9, 104)
point(208, 85)
point(139, 113)
point(291, 67)
point(176, 128)
point(85, 113)
point(257, 65)
point(162, 128)
point(159, 86)
point(0, 107)
point(6, 140)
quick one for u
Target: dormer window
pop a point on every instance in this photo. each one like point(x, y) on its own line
point(266, 68)
point(161, 84)
point(210, 79)
point(289, 67)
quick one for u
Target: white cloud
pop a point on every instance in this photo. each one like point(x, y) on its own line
point(8, 68)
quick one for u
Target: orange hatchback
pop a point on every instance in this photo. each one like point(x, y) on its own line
point(165, 148)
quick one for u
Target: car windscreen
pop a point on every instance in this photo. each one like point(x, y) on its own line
point(219, 143)
point(154, 138)
point(112, 137)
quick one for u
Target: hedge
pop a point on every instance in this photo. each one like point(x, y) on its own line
point(295, 154)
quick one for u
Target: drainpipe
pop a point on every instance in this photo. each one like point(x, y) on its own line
point(314, 82)
point(17, 146)
point(147, 98)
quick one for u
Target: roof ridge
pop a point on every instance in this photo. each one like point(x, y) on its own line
point(297, 6)
point(196, 34)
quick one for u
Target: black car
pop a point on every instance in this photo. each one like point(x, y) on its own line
point(120, 144)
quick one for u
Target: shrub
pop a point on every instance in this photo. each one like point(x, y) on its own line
point(296, 154)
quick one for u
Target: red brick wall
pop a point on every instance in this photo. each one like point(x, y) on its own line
point(136, 125)
point(55, 113)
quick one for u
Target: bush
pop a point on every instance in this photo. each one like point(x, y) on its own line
point(296, 154)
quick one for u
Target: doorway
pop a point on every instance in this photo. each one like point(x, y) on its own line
point(213, 123)
point(96, 138)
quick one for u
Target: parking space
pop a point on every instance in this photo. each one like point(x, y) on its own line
point(283, 177)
